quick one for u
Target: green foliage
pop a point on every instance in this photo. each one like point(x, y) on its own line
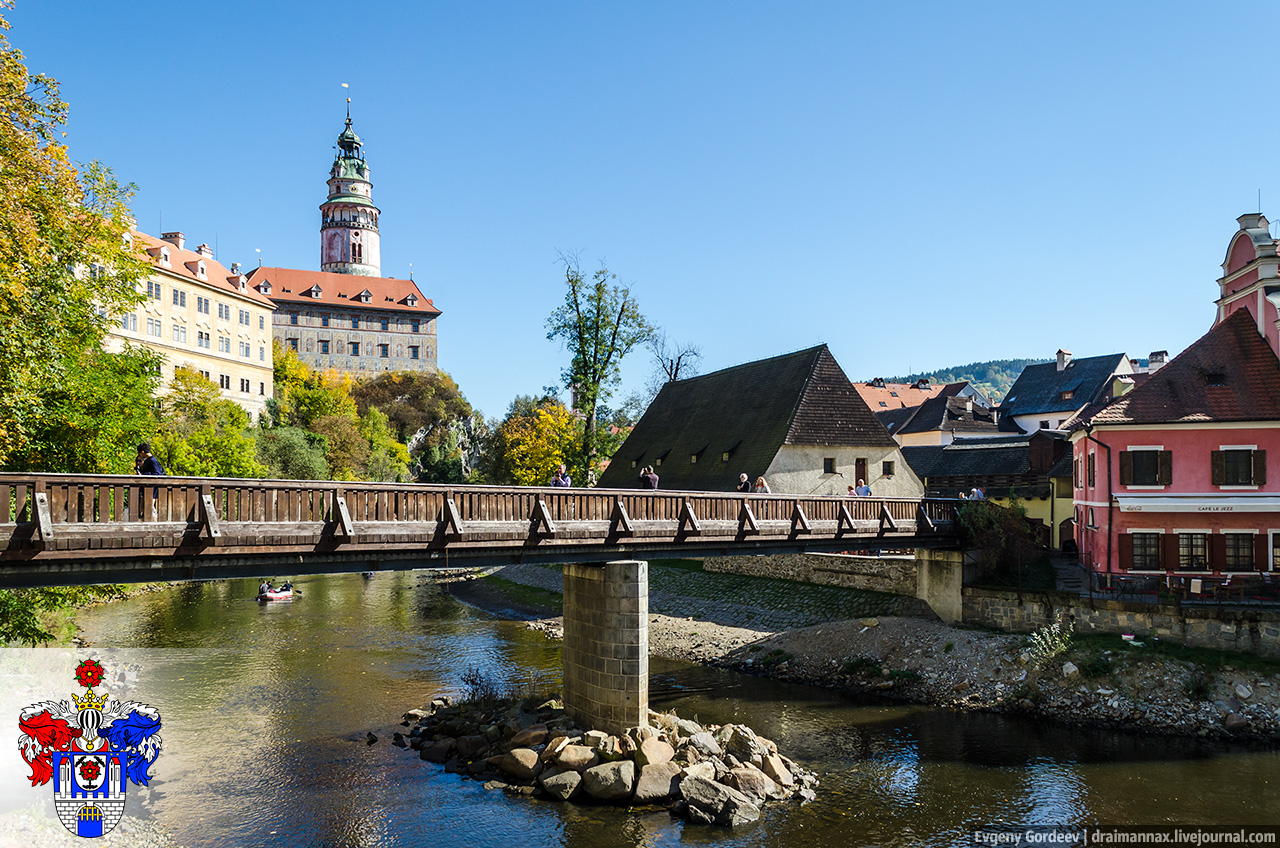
point(291, 453)
point(862, 667)
point(388, 459)
point(321, 396)
point(348, 451)
point(65, 273)
point(202, 434)
point(418, 406)
point(1198, 685)
point(440, 463)
point(599, 323)
point(1098, 664)
point(993, 377)
point(1002, 537)
point(93, 418)
point(25, 613)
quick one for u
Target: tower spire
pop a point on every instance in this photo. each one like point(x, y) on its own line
point(349, 238)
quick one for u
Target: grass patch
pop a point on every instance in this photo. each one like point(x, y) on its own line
point(530, 596)
point(775, 657)
point(862, 667)
point(1209, 659)
point(1098, 665)
point(949, 647)
point(904, 675)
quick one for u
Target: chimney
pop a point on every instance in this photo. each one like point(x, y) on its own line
point(968, 405)
point(1157, 360)
point(175, 239)
point(1064, 359)
point(235, 267)
point(205, 250)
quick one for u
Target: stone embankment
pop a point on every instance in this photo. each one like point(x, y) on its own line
point(709, 775)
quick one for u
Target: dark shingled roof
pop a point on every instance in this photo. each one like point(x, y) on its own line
point(1229, 374)
point(748, 411)
point(895, 418)
point(950, 413)
point(1039, 388)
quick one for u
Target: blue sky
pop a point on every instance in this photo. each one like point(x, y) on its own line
point(918, 185)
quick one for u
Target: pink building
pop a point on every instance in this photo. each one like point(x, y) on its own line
point(1170, 474)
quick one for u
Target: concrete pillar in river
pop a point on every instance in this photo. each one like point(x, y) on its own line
point(606, 644)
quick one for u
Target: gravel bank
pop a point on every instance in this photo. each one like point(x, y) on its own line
point(1098, 682)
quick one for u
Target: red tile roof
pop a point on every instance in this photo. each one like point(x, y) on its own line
point(1232, 354)
point(291, 285)
point(896, 395)
point(184, 263)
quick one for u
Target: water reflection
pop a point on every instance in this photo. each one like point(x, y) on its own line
point(266, 710)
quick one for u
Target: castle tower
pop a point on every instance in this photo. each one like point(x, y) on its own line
point(349, 240)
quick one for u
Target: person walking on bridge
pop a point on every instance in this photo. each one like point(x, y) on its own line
point(561, 479)
point(648, 479)
point(761, 487)
point(744, 483)
point(862, 490)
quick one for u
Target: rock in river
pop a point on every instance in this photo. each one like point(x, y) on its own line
point(657, 783)
point(610, 781)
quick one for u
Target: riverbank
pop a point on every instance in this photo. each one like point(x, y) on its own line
point(797, 632)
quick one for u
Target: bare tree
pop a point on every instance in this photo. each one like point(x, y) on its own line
point(671, 361)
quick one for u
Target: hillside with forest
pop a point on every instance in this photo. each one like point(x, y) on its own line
point(993, 377)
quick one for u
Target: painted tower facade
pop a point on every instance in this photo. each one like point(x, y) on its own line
point(349, 240)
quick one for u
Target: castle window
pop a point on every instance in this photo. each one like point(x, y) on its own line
point(293, 318)
point(414, 324)
point(324, 345)
point(164, 257)
point(355, 322)
point(413, 351)
point(386, 325)
point(829, 465)
point(355, 348)
point(324, 320)
point(384, 350)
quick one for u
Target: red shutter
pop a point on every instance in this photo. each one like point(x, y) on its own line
point(1261, 555)
point(1126, 551)
point(1259, 467)
point(1217, 552)
point(1169, 551)
point(1126, 468)
point(1217, 467)
point(1166, 468)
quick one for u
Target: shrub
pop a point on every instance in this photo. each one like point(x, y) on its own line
point(1051, 640)
point(1198, 685)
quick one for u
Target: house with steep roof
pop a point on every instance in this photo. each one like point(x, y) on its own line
point(950, 414)
point(794, 419)
point(1171, 478)
point(1050, 396)
point(1034, 467)
point(201, 315)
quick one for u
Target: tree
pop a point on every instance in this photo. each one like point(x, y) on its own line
point(599, 323)
point(202, 434)
point(291, 453)
point(66, 269)
point(420, 407)
point(348, 450)
point(388, 459)
point(526, 449)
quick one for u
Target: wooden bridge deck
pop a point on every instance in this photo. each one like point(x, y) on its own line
point(73, 529)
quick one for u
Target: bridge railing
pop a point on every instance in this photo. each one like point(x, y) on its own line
point(57, 504)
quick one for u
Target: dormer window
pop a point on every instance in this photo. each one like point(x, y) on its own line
point(265, 287)
point(164, 257)
point(243, 283)
point(200, 270)
point(365, 296)
point(411, 300)
point(1069, 394)
point(1215, 378)
point(314, 291)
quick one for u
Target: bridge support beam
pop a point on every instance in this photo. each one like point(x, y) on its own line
point(940, 583)
point(606, 644)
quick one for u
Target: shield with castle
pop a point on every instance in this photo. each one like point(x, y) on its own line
point(90, 751)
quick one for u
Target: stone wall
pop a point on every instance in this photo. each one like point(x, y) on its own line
point(606, 644)
point(895, 574)
point(1255, 631)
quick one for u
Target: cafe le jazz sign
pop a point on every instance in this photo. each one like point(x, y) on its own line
point(1199, 505)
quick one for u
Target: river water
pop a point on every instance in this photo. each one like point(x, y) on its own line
point(266, 709)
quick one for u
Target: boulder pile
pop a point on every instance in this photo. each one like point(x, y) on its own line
point(721, 774)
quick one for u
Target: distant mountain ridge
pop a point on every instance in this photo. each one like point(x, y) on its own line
point(993, 377)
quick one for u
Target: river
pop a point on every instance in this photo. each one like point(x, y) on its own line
point(266, 709)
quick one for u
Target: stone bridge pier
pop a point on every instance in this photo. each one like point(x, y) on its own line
point(606, 644)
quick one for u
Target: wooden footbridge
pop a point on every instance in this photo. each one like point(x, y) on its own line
point(79, 529)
